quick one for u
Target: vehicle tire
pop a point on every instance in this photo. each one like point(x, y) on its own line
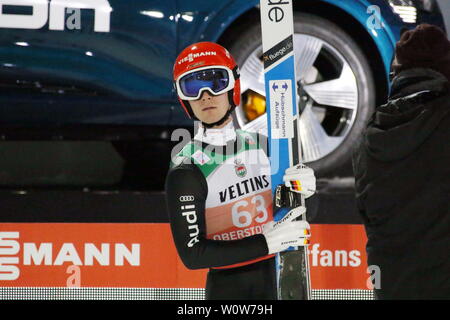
point(342, 126)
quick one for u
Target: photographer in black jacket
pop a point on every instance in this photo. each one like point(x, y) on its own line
point(402, 171)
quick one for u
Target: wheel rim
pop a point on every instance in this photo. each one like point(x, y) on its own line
point(328, 95)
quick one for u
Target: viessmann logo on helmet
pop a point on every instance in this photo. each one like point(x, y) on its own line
point(192, 56)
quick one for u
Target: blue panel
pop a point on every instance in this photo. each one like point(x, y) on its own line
point(280, 147)
point(132, 64)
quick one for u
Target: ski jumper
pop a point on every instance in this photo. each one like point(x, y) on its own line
point(219, 198)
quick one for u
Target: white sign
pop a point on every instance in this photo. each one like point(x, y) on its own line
point(278, 21)
point(281, 117)
point(55, 15)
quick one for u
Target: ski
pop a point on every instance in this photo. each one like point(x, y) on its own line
point(283, 115)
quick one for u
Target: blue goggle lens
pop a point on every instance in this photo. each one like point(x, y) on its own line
point(214, 79)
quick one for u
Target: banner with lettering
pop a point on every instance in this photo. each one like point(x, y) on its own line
point(142, 255)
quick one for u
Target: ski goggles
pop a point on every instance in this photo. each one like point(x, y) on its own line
point(215, 79)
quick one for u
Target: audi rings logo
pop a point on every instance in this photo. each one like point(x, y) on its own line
point(186, 198)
